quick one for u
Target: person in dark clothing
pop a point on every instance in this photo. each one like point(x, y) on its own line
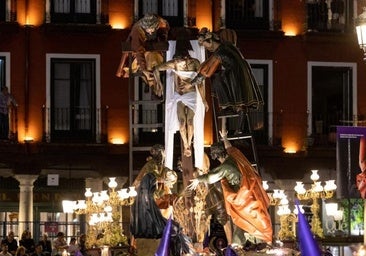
point(38, 250)
point(11, 242)
point(82, 244)
point(27, 241)
point(4, 250)
point(46, 245)
point(7, 102)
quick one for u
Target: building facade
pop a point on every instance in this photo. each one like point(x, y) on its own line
point(59, 58)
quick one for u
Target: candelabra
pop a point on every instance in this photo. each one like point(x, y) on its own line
point(104, 212)
point(287, 219)
point(275, 196)
point(317, 191)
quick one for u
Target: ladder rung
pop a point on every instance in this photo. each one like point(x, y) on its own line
point(145, 102)
point(157, 125)
point(228, 116)
point(141, 148)
point(240, 137)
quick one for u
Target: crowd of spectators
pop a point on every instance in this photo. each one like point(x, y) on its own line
point(27, 246)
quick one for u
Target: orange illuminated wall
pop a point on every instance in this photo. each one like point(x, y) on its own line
point(120, 14)
point(293, 17)
point(30, 12)
point(204, 14)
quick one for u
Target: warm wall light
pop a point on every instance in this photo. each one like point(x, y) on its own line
point(204, 21)
point(290, 31)
point(118, 21)
point(290, 150)
point(28, 139)
point(290, 146)
point(117, 26)
point(117, 141)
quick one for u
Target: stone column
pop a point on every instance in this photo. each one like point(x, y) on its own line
point(25, 202)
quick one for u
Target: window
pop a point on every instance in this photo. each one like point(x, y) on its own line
point(73, 11)
point(73, 111)
point(247, 14)
point(171, 10)
point(259, 118)
point(5, 69)
point(2, 71)
point(329, 15)
point(2, 11)
point(332, 99)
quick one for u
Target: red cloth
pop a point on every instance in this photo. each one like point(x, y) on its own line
point(361, 184)
point(361, 177)
point(248, 207)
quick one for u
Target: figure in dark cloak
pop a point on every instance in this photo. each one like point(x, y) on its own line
point(233, 82)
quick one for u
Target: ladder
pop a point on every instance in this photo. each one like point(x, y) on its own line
point(239, 130)
point(146, 117)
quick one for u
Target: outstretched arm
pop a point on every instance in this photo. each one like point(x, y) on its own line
point(223, 135)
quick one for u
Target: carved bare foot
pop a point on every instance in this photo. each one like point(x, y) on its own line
point(187, 152)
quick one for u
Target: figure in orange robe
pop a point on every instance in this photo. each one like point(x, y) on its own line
point(246, 201)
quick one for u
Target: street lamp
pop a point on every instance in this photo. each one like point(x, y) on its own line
point(360, 23)
point(317, 191)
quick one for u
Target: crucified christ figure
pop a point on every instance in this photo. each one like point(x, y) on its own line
point(185, 101)
point(184, 68)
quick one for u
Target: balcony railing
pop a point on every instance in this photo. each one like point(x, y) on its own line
point(148, 124)
point(65, 124)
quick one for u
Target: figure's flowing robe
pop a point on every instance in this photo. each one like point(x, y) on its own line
point(248, 207)
point(147, 220)
point(194, 103)
point(233, 82)
point(246, 202)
